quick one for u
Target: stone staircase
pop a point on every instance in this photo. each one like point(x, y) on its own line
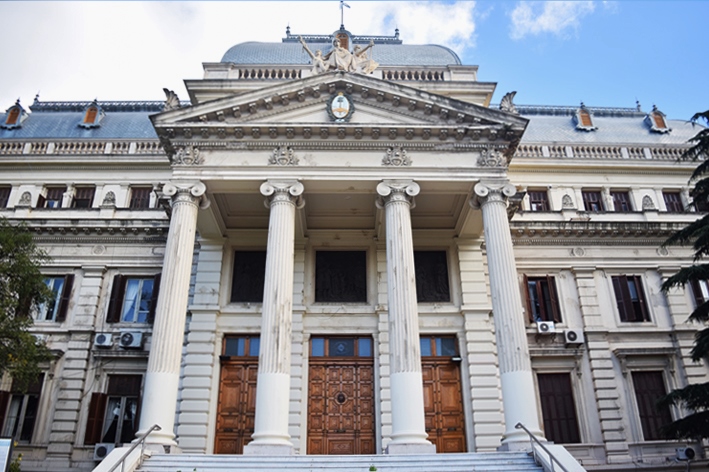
point(486, 462)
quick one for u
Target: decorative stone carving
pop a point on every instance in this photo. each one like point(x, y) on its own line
point(188, 156)
point(567, 203)
point(291, 191)
point(283, 156)
point(578, 252)
point(396, 157)
point(395, 190)
point(25, 200)
point(648, 204)
point(340, 58)
point(491, 157)
point(172, 102)
point(109, 200)
point(506, 103)
point(187, 192)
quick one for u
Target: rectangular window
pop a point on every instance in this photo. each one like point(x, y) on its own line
point(438, 346)
point(630, 298)
point(621, 202)
point(133, 299)
point(55, 309)
point(113, 416)
point(558, 408)
point(592, 200)
point(52, 199)
point(341, 276)
point(241, 346)
point(649, 387)
point(431, 269)
point(140, 197)
point(248, 276)
point(700, 291)
point(83, 197)
point(20, 411)
point(542, 300)
point(341, 347)
point(538, 200)
point(4, 196)
point(673, 202)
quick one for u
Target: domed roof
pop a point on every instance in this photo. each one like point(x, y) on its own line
point(385, 54)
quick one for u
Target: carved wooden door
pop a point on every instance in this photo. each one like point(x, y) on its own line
point(443, 400)
point(341, 398)
point(237, 395)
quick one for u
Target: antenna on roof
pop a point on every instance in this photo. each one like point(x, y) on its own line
point(342, 13)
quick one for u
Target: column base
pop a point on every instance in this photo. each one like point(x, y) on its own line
point(268, 450)
point(157, 448)
point(516, 446)
point(410, 448)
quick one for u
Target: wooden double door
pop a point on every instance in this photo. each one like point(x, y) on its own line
point(341, 415)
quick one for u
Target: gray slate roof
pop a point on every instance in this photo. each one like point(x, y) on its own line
point(253, 53)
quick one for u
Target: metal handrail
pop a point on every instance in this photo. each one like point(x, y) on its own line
point(141, 442)
point(533, 439)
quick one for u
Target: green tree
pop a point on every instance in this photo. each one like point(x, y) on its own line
point(22, 290)
point(694, 397)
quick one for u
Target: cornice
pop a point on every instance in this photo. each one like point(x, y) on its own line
point(592, 233)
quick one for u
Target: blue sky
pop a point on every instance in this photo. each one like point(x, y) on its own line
point(555, 53)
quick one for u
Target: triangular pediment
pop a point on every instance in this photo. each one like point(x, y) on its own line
point(301, 109)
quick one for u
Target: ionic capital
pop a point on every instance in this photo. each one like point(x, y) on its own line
point(289, 191)
point(391, 191)
point(187, 192)
point(491, 192)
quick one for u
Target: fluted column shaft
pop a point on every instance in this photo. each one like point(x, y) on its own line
point(407, 407)
point(273, 384)
point(516, 376)
point(162, 375)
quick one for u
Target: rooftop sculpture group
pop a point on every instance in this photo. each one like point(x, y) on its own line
point(340, 58)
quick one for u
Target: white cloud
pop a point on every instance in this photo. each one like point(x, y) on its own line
point(533, 18)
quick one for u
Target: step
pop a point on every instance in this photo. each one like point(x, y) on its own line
point(487, 462)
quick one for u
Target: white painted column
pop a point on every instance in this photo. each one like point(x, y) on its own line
point(516, 376)
point(163, 374)
point(273, 384)
point(407, 408)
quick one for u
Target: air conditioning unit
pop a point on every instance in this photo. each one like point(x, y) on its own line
point(545, 327)
point(573, 336)
point(103, 340)
point(42, 338)
point(101, 450)
point(685, 453)
point(131, 340)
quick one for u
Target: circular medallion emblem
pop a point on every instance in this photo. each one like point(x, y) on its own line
point(340, 107)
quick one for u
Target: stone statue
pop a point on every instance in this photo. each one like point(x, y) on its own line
point(339, 58)
point(506, 103)
point(319, 65)
point(364, 64)
point(171, 100)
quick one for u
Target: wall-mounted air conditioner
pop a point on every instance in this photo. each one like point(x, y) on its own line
point(131, 340)
point(573, 337)
point(545, 327)
point(103, 340)
point(101, 450)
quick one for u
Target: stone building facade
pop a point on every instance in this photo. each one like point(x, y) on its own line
point(350, 259)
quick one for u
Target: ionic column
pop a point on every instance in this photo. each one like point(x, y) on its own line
point(516, 376)
point(407, 408)
point(273, 384)
point(162, 376)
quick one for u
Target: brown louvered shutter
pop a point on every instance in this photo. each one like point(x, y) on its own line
point(643, 315)
point(620, 288)
point(558, 408)
point(116, 302)
point(154, 297)
point(585, 118)
point(41, 200)
point(65, 298)
point(554, 297)
point(90, 117)
point(649, 387)
point(94, 423)
point(530, 313)
point(4, 399)
point(697, 293)
point(13, 116)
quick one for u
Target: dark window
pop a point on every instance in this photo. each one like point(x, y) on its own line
point(140, 197)
point(673, 202)
point(649, 387)
point(700, 291)
point(558, 408)
point(52, 199)
point(431, 269)
point(592, 200)
point(83, 197)
point(241, 346)
point(341, 276)
point(341, 347)
point(20, 410)
point(621, 202)
point(133, 299)
point(4, 196)
point(538, 200)
point(113, 416)
point(542, 300)
point(438, 346)
point(630, 298)
point(55, 309)
point(248, 276)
